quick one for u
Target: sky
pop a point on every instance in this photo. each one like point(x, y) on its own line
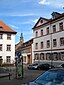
point(21, 15)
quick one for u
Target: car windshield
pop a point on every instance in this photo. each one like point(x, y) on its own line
point(51, 78)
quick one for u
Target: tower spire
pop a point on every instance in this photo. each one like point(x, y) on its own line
point(21, 38)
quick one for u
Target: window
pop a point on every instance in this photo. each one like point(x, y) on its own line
point(36, 34)
point(62, 41)
point(1, 27)
point(0, 47)
point(55, 56)
point(36, 56)
point(61, 26)
point(48, 43)
point(54, 43)
point(8, 47)
point(1, 60)
point(8, 59)
point(62, 56)
point(1, 36)
point(41, 45)
point(8, 36)
point(48, 56)
point(36, 46)
point(41, 21)
point(54, 28)
point(41, 32)
point(47, 30)
point(41, 56)
point(0, 57)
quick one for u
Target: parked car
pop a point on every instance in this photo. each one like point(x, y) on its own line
point(60, 66)
point(32, 66)
point(50, 77)
point(44, 66)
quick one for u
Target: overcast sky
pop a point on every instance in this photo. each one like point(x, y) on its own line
point(21, 15)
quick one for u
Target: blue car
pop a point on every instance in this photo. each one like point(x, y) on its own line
point(50, 77)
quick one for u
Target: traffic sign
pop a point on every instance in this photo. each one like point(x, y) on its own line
point(19, 54)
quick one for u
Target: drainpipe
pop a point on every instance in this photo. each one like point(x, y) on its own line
point(51, 46)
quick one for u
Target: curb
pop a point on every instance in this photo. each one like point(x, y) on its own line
point(5, 75)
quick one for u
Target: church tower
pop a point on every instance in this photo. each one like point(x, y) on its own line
point(21, 38)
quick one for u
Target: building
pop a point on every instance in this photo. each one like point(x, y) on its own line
point(25, 48)
point(48, 39)
point(7, 44)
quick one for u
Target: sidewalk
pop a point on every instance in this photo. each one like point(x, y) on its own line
point(4, 75)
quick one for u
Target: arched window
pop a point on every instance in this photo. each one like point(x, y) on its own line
point(48, 56)
point(62, 56)
point(41, 56)
point(55, 56)
point(36, 56)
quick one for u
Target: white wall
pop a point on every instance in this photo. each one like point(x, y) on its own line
point(45, 37)
point(5, 53)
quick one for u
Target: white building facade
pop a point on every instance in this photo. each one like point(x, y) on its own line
point(7, 44)
point(48, 42)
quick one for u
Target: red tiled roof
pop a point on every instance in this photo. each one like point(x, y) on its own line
point(6, 29)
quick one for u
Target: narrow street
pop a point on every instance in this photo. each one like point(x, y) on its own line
point(29, 75)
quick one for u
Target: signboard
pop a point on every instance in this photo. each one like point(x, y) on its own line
point(19, 54)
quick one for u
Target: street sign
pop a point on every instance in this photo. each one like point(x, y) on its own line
point(19, 54)
point(19, 59)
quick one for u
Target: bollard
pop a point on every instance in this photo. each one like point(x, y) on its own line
point(9, 76)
